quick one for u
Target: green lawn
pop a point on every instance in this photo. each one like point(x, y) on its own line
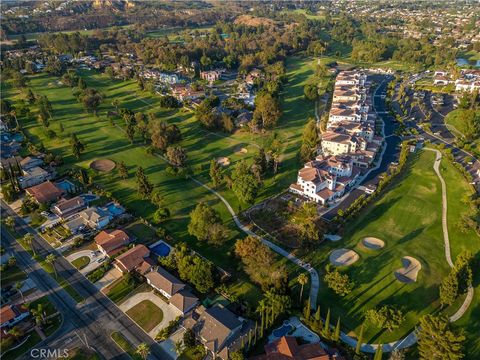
point(195, 353)
point(457, 189)
point(61, 281)
point(124, 344)
point(81, 262)
point(455, 120)
point(12, 275)
point(408, 219)
point(146, 314)
point(121, 288)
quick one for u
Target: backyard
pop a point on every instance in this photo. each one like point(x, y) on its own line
point(408, 219)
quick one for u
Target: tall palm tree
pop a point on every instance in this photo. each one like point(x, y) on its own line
point(179, 347)
point(10, 222)
point(261, 309)
point(16, 332)
point(143, 350)
point(28, 238)
point(18, 287)
point(50, 259)
point(302, 280)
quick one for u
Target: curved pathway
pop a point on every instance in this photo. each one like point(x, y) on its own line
point(468, 299)
point(315, 280)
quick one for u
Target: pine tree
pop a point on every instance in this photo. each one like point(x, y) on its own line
point(378, 353)
point(122, 170)
point(326, 328)
point(336, 334)
point(215, 173)
point(145, 188)
point(449, 289)
point(77, 146)
point(436, 340)
point(358, 347)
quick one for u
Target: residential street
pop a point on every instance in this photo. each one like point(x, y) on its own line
point(96, 318)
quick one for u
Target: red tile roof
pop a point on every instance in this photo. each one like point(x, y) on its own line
point(287, 348)
point(112, 241)
point(44, 192)
point(132, 258)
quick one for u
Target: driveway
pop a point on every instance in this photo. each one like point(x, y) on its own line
point(108, 278)
point(92, 255)
point(170, 312)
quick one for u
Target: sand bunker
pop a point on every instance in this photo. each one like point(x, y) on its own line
point(373, 243)
point(332, 237)
point(103, 165)
point(409, 272)
point(343, 257)
point(241, 150)
point(223, 161)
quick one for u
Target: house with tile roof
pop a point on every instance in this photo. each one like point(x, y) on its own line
point(218, 329)
point(131, 259)
point(92, 217)
point(66, 207)
point(287, 348)
point(45, 192)
point(164, 282)
point(111, 242)
point(10, 315)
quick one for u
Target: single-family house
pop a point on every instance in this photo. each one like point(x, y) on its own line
point(34, 176)
point(6, 163)
point(164, 282)
point(44, 193)
point(217, 328)
point(111, 242)
point(287, 348)
point(30, 162)
point(184, 301)
point(211, 76)
point(66, 207)
point(11, 315)
point(131, 259)
point(92, 217)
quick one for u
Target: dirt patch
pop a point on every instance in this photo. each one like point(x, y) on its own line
point(103, 165)
point(250, 20)
point(409, 272)
point(373, 243)
point(223, 161)
point(343, 257)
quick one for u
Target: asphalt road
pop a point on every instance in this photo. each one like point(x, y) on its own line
point(95, 318)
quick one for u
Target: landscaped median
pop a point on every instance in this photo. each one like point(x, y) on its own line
point(125, 345)
point(46, 266)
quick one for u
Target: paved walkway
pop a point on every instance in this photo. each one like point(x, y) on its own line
point(170, 312)
point(466, 303)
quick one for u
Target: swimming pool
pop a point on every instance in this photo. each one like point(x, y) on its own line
point(161, 249)
point(282, 331)
point(66, 186)
point(114, 209)
point(89, 197)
